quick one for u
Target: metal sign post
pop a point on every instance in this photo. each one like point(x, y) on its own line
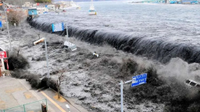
point(66, 28)
point(45, 42)
point(136, 80)
point(121, 96)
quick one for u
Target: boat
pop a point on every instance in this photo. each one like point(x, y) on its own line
point(74, 5)
point(71, 5)
point(92, 11)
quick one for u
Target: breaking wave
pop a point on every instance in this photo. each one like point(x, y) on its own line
point(138, 45)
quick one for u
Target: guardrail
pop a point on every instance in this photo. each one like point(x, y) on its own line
point(28, 107)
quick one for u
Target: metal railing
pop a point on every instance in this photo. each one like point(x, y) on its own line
point(28, 107)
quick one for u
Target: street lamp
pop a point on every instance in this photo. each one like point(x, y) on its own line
point(40, 41)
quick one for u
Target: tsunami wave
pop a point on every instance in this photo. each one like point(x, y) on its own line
point(156, 49)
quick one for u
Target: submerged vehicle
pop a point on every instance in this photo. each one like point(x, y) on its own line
point(192, 83)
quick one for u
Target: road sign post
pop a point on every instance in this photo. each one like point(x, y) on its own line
point(48, 74)
point(66, 28)
point(47, 60)
point(121, 96)
point(136, 80)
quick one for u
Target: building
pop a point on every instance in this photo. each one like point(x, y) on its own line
point(51, 7)
point(190, 2)
point(42, 10)
point(27, 4)
point(32, 12)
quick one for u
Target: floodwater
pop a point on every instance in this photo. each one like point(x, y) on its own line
point(157, 31)
point(163, 21)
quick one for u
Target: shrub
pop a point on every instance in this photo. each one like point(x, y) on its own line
point(43, 1)
point(16, 16)
point(17, 61)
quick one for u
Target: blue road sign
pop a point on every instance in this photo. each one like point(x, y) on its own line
point(139, 79)
point(57, 27)
point(1, 24)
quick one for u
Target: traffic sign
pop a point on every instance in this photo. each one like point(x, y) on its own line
point(1, 24)
point(3, 54)
point(139, 79)
point(57, 27)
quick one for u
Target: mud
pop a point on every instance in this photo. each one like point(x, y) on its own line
point(94, 81)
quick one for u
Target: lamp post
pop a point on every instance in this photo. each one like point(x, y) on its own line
point(40, 41)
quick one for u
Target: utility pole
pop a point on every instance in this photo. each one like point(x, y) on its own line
point(5, 11)
point(21, 4)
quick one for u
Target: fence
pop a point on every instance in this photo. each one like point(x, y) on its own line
point(28, 107)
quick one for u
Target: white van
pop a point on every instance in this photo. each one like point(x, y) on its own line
point(192, 83)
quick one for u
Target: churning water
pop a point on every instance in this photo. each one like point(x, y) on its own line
point(157, 31)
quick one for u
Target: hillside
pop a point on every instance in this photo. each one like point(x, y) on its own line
point(18, 2)
point(94, 0)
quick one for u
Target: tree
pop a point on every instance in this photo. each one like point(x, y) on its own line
point(59, 81)
point(43, 1)
point(16, 16)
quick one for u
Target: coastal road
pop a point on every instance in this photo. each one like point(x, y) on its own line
point(15, 92)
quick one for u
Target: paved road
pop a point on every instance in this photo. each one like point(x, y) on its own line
point(15, 92)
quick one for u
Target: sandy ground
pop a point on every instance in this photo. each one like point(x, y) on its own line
point(94, 81)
